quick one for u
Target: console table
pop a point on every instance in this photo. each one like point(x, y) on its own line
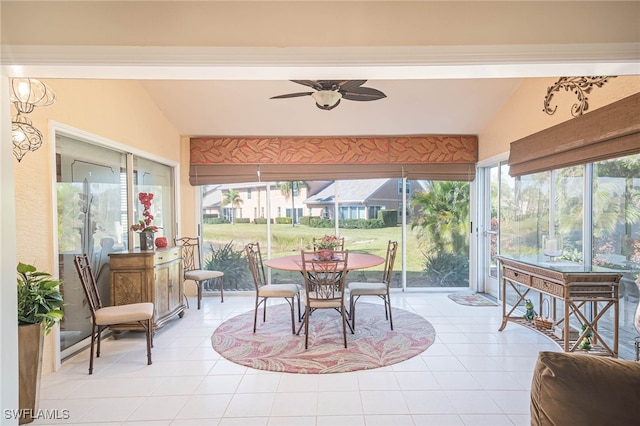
point(571, 284)
point(148, 276)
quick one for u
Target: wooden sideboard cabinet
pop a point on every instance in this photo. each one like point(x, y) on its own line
point(148, 276)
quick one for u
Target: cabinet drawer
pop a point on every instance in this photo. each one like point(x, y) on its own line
point(512, 275)
point(166, 256)
point(548, 287)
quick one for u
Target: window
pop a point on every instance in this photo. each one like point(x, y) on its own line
point(351, 212)
point(593, 212)
point(373, 211)
point(157, 179)
point(400, 186)
point(248, 193)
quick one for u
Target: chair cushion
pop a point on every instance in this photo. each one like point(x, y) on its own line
point(278, 290)
point(367, 288)
point(124, 313)
point(202, 274)
point(336, 302)
point(581, 389)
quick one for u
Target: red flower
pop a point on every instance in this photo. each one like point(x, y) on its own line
point(144, 225)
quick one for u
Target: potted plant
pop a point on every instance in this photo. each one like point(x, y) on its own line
point(39, 308)
point(144, 226)
point(326, 246)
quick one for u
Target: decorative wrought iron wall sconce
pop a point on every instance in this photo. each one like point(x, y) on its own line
point(26, 94)
point(581, 86)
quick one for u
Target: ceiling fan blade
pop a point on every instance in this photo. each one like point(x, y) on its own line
point(349, 85)
point(309, 83)
point(291, 95)
point(363, 94)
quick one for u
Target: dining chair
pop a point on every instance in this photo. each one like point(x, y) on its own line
point(380, 289)
point(265, 291)
point(324, 288)
point(103, 317)
point(192, 259)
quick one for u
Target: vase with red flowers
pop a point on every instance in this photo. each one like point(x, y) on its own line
point(326, 246)
point(144, 225)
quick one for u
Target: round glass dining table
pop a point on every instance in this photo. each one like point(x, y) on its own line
point(355, 261)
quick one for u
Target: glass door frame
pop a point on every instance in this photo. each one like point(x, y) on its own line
point(481, 259)
point(61, 129)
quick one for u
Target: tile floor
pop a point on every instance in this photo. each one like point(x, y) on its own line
point(471, 375)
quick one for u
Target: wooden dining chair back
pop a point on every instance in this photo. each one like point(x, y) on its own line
point(192, 262)
point(264, 291)
point(104, 316)
point(324, 288)
point(380, 289)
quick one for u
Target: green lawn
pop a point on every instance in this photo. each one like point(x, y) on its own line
point(287, 240)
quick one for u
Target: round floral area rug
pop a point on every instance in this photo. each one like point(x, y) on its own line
point(273, 347)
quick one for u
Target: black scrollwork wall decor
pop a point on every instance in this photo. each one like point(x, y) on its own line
point(581, 86)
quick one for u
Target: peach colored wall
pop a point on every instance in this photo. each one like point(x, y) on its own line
point(189, 217)
point(307, 24)
point(523, 113)
point(117, 110)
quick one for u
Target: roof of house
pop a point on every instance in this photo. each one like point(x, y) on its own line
point(352, 191)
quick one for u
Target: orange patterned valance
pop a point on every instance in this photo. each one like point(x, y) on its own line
point(232, 159)
point(335, 150)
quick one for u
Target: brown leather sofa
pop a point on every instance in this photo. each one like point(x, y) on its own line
point(581, 389)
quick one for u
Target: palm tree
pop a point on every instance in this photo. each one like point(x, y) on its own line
point(287, 189)
point(444, 219)
point(232, 197)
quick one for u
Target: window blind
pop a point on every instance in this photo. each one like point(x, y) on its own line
point(608, 132)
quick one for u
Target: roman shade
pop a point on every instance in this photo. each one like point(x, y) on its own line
point(229, 160)
point(608, 132)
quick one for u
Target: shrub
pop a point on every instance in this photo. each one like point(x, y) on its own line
point(283, 220)
point(306, 220)
point(232, 263)
point(214, 220)
point(362, 224)
point(243, 220)
point(321, 223)
point(261, 221)
point(444, 269)
point(388, 217)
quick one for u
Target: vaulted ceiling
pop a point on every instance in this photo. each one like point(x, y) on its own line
point(446, 67)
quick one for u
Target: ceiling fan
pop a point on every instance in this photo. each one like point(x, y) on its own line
point(329, 92)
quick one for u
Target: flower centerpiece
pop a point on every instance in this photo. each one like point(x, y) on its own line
point(326, 246)
point(144, 225)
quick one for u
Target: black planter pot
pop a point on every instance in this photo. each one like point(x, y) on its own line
point(146, 241)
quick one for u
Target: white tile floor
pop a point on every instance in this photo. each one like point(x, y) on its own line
point(471, 375)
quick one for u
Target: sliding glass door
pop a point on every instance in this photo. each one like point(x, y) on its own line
point(92, 219)
point(93, 207)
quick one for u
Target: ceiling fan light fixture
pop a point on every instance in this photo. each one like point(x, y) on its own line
point(326, 99)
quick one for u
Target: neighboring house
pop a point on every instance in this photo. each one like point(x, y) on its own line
point(254, 200)
point(360, 198)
